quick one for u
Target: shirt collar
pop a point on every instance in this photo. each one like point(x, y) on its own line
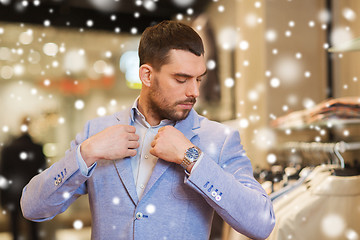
point(136, 115)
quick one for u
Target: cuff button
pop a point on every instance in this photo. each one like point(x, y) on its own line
point(139, 215)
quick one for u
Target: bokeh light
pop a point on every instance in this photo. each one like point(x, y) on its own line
point(332, 225)
point(78, 224)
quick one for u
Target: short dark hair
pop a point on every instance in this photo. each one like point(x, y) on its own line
point(158, 40)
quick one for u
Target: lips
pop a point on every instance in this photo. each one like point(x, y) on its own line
point(186, 105)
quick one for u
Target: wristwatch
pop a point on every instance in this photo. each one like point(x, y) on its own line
point(192, 154)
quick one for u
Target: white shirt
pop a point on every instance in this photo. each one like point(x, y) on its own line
point(143, 163)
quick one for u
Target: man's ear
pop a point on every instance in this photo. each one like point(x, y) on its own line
point(145, 72)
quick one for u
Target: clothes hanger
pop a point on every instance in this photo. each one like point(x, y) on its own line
point(343, 171)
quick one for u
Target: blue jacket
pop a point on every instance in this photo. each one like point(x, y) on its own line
point(173, 205)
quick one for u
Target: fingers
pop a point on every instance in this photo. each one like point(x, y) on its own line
point(129, 128)
point(152, 152)
point(133, 137)
point(131, 152)
point(153, 143)
point(133, 144)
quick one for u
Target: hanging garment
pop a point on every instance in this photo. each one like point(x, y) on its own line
point(327, 210)
point(292, 186)
point(318, 174)
point(286, 204)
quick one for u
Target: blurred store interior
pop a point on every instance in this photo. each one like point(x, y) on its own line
point(274, 66)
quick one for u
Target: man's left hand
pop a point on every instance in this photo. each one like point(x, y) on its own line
point(170, 145)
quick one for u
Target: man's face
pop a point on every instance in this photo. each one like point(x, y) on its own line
point(175, 87)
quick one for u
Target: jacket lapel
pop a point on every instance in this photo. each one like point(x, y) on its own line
point(124, 170)
point(187, 127)
point(123, 166)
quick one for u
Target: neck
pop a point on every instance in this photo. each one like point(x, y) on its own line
point(150, 117)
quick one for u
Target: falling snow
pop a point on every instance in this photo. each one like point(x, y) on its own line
point(288, 71)
point(78, 224)
point(332, 225)
point(150, 209)
point(79, 104)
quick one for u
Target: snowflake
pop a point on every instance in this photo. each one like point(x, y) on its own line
point(150, 209)
point(221, 8)
point(79, 104)
point(271, 158)
point(66, 195)
point(229, 82)
point(228, 38)
point(101, 111)
point(271, 35)
point(349, 14)
point(3, 182)
point(333, 225)
point(340, 35)
point(243, 123)
point(89, 23)
point(50, 49)
point(211, 64)
point(351, 234)
point(24, 128)
point(47, 23)
point(149, 5)
point(78, 224)
point(275, 82)
point(311, 24)
point(116, 201)
point(244, 45)
point(23, 155)
point(47, 82)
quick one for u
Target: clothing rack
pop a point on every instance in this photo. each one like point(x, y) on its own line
point(324, 147)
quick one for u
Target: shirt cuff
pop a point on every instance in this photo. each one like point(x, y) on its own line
point(86, 171)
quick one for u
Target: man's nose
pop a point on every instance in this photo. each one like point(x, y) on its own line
point(192, 89)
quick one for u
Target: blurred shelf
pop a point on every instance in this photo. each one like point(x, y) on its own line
point(326, 123)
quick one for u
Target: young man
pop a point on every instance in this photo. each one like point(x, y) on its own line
point(157, 170)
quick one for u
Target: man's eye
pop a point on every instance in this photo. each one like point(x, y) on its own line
point(181, 81)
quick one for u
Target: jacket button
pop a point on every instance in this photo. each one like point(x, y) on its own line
point(218, 198)
point(139, 215)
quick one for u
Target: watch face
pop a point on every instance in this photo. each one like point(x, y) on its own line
point(192, 154)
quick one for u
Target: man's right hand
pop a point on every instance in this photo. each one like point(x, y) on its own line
point(114, 142)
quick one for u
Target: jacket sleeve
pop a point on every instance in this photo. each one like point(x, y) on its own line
point(52, 191)
point(228, 185)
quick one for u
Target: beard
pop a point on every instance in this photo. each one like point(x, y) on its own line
point(162, 108)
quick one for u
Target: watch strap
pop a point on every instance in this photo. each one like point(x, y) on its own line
point(185, 163)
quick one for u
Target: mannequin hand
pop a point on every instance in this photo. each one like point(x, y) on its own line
point(170, 145)
point(114, 142)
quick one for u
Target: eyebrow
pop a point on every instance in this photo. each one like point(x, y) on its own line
point(184, 75)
